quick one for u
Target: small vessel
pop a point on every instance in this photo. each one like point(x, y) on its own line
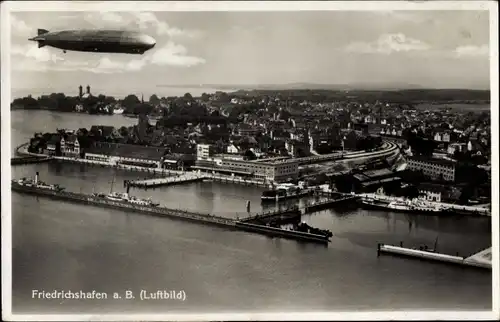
point(305, 228)
point(118, 110)
point(285, 191)
point(116, 196)
point(37, 184)
point(401, 205)
point(125, 197)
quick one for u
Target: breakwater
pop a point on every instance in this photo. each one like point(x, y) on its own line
point(171, 213)
point(424, 254)
point(20, 160)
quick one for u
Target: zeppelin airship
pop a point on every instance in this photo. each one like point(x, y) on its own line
point(101, 41)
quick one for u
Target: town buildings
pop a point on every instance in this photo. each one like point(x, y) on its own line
point(434, 168)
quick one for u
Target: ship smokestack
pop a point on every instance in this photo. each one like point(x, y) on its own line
point(248, 205)
point(128, 188)
point(36, 178)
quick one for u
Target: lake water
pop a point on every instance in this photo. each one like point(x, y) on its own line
point(65, 246)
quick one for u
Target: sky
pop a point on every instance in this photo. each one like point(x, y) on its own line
point(433, 49)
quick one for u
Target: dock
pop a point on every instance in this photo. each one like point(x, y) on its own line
point(200, 218)
point(478, 260)
point(188, 177)
point(279, 217)
point(167, 181)
point(23, 160)
point(327, 204)
point(480, 210)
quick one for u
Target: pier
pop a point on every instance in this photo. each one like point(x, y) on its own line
point(167, 181)
point(278, 217)
point(190, 176)
point(480, 260)
point(326, 204)
point(23, 160)
point(172, 213)
point(479, 210)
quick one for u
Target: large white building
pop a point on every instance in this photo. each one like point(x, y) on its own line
point(204, 151)
point(269, 170)
point(433, 168)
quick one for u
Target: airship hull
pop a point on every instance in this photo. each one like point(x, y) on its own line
point(103, 41)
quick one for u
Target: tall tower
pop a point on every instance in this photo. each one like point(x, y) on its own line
point(88, 89)
point(142, 98)
point(80, 91)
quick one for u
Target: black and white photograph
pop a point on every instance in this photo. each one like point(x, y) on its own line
point(179, 160)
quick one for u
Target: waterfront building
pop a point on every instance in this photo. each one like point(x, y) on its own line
point(127, 154)
point(281, 169)
point(270, 170)
point(70, 147)
point(453, 147)
point(434, 168)
point(53, 145)
point(204, 151)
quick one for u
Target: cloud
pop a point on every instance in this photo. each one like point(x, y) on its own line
point(387, 44)
point(472, 51)
point(146, 21)
point(31, 57)
point(19, 27)
point(33, 52)
point(174, 55)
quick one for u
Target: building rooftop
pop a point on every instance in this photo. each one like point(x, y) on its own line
point(128, 151)
point(442, 162)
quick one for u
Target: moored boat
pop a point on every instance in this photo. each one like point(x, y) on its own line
point(401, 205)
point(285, 191)
point(37, 184)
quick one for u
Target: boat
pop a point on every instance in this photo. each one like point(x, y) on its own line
point(118, 110)
point(37, 184)
point(285, 191)
point(116, 196)
point(401, 205)
point(305, 228)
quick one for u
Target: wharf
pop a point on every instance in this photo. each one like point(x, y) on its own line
point(279, 217)
point(190, 176)
point(478, 260)
point(172, 213)
point(337, 199)
point(480, 210)
point(155, 182)
point(23, 160)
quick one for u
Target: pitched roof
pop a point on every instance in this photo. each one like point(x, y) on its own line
point(128, 151)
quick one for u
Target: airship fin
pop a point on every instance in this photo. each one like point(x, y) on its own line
point(42, 31)
point(41, 44)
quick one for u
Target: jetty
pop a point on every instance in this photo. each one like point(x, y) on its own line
point(277, 217)
point(201, 218)
point(23, 160)
point(336, 199)
point(166, 181)
point(190, 176)
point(481, 259)
point(478, 210)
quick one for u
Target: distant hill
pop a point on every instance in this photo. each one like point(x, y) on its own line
point(312, 86)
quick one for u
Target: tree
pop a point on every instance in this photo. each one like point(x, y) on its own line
point(154, 100)
point(130, 102)
point(188, 97)
point(205, 97)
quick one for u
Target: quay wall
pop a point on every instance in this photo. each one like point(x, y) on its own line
point(159, 211)
point(408, 252)
point(297, 235)
point(172, 213)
